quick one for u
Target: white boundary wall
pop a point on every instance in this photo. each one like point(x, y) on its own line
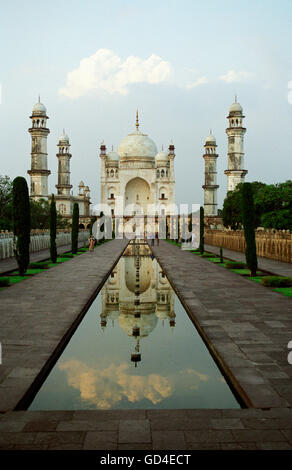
point(38, 241)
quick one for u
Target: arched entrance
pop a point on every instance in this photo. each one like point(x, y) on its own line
point(137, 196)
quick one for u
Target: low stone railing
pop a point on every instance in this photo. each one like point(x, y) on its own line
point(274, 244)
point(39, 240)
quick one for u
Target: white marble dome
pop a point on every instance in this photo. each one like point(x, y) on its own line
point(39, 108)
point(235, 107)
point(64, 138)
point(113, 156)
point(162, 156)
point(210, 140)
point(137, 145)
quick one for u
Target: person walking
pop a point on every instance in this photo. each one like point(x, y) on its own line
point(152, 239)
point(157, 238)
point(91, 243)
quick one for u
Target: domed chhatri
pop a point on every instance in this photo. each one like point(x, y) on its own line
point(64, 138)
point(39, 109)
point(210, 140)
point(113, 156)
point(235, 108)
point(162, 156)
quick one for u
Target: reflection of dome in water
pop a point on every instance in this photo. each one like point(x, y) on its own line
point(113, 315)
point(145, 273)
point(146, 323)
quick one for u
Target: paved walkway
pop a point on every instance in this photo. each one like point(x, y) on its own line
point(278, 267)
point(10, 264)
point(245, 325)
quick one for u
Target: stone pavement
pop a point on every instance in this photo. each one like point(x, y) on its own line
point(246, 327)
point(248, 429)
point(9, 264)
point(278, 267)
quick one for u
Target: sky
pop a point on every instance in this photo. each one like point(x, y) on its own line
point(179, 62)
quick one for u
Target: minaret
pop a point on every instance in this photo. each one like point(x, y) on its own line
point(171, 156)
point(39, 167)
point(235, 131)
point(210, 187)
point(63, 155)
point(103, 172)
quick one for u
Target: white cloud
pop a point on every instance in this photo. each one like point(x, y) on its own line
point(105, 71)
point(198, 82)
point(236, 76)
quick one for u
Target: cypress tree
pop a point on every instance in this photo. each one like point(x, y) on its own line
point(21, 222)
point(201, 247)
point(221, 255)
point(53, 230)
point(248, 220)
point(190, 227)
point(101, 227)
point(75, 228)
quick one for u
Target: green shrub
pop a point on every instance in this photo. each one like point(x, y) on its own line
point(277, 281)
point(208, 255)
point(38, 265)
point(66, 255)
point(4, 281)
point(235, 265)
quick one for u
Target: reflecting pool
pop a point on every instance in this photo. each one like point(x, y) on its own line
point(136, 347)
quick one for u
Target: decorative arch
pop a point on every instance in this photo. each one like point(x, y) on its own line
point(137, 187)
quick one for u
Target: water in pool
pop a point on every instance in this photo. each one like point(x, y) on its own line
point(135, 348)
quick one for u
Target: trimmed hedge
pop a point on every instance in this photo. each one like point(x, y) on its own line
point(39, 265)
point(208, 255)
point(4, 281)
point(235, 265)
point(277, 281)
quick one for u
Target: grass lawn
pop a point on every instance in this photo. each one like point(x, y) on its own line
point(15, 277)
point(245, 272)
point(284, 290)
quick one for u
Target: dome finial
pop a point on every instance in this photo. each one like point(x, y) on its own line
point(137, 120)
point(63, 131)
point(210, 131)
point(112, 148)
point(39, 98)
point(162, 147)
point(235, 97)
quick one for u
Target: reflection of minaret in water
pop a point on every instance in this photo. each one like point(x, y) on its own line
point(144, 297)
point(136, 356)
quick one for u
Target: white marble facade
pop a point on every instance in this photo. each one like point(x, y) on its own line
point(137, 179)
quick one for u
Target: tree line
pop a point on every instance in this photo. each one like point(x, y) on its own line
point(272, 206)
point(39, 210)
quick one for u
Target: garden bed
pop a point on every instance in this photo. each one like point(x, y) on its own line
point(38, 267)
